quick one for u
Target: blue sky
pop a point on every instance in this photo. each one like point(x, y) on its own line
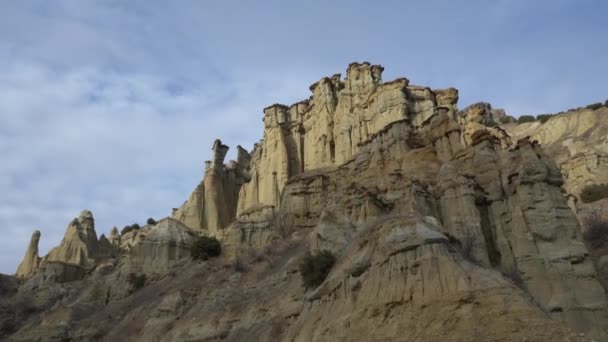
point(113, 106)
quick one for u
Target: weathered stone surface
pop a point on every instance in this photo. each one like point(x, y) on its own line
point(406, 284)
point(578, 143)
point(31, 260)
point(164, 243)
point(79, 245)
point(212, 205)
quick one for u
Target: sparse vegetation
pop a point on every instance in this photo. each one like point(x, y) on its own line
point(544, 117)
point(595, 106)
point(314, 268)
point(594, 192)
point(359, 270)
point(205, 247)
point(137, 281)
point(151, 221)
point(525, 118)
point(467, 246)
point(516, 277)
point(596, 230)
point(505, 120)
point(127, 229)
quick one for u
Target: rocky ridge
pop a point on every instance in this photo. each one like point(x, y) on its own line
point(444, 225)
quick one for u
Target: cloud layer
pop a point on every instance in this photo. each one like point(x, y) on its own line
point(113, 106)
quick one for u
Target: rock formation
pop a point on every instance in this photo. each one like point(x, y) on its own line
point(166, 242)
point(444, 227)
point(31, 260)
point(212, 205)
point(578, 143)
point(79, 245)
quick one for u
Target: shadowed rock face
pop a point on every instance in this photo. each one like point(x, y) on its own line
point(444, 228)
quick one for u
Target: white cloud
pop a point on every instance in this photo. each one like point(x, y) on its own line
point(126, 146)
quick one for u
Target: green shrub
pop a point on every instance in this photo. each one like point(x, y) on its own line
point(544, 117)
point(205, 247)
point(127, 229)
point(595, 106)
point(137, 281)
point(596, 230)
point(492, 123)
point(505, 119)
point(151, 221)
point(525, 118)
point(594, 192)
point(314, 268)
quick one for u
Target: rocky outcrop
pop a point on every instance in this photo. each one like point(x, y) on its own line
point(31, 260)
point(362, 300)
point(164, 243)
point(212, 205)
point(578, 143)
point(79, 245)
point(499, 202)
point(79, 250)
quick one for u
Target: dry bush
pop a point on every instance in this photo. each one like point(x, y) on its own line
point(205, 247)
point(314, 268)
point(594, 192)
point(596, 230)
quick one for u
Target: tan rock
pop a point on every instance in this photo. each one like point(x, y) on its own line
point(405, 284)
point(164, 243)
point(31, 260)
point(114, 237)
point(79, 245)
point(577, 141)
point(212, 205)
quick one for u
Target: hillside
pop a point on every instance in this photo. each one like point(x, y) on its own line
point(444, 227)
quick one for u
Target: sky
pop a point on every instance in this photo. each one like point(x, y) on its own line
point(113, 106)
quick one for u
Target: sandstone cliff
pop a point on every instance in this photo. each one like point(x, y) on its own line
point(444, 228)
point(578, 143)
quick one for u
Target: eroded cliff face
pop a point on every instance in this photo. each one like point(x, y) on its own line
point(333, 125)
point(212, 205)
point(578, 143)
point(444, 228)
